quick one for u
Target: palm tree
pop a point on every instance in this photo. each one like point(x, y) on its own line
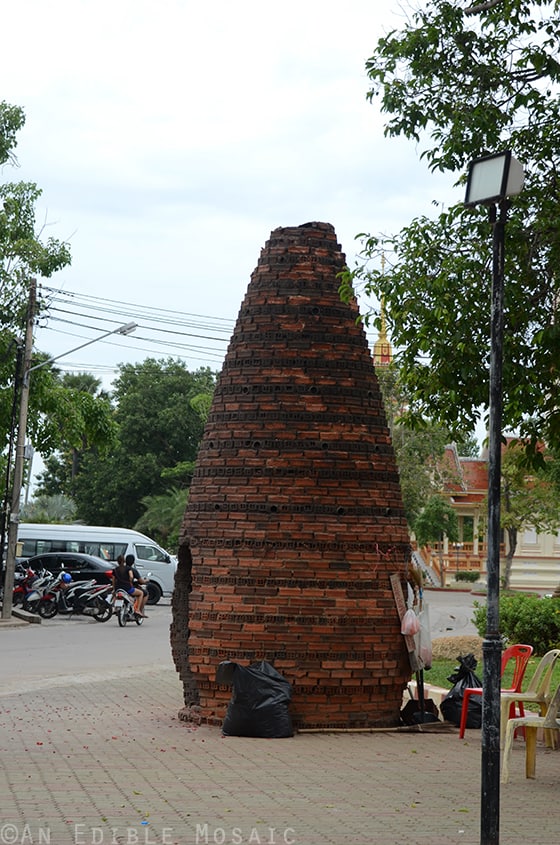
point(56, 508)
point(163, 516)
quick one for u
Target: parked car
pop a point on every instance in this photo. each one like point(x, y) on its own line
point(81, 567)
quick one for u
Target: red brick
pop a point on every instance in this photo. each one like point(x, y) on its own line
point(286, 535)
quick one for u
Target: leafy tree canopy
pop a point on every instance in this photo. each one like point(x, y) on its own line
point(61, 414)
point(464, 81)
point(160, 424)
point(23, 255)
point(528, 500)
point(418, 451)
point(163, 516)
point(56, 508)
point(12, 119)
point(438, 519)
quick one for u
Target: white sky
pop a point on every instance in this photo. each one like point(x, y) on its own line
point(170, 137)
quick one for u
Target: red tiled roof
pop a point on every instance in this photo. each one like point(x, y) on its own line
point(475, 473)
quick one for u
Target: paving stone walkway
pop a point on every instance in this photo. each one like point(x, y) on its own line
point(102, 762)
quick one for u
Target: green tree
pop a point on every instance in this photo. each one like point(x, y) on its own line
point(158, 431)
point(23, 255)
point(461, 82)
point(78, 416)
point(418, 451)
point(163, 515)
point(528, 500)
point(56, 415)
point(437, 521)
point(57, 508)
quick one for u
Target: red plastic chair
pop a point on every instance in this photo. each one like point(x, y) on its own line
point(521, 654)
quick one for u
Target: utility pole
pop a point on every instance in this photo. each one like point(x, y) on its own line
point(13, 519)
point(18, 375)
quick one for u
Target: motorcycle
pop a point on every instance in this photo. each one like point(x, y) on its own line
point(81, 597)
point(26, 583)
point(126, 608)
point(37, 590)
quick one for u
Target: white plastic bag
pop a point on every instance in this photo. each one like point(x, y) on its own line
point(424, 637)
point(410, 624)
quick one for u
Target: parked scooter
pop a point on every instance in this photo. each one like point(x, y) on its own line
point(82, 597)
point(126, 608)
point(39, 587)
point(26, 580)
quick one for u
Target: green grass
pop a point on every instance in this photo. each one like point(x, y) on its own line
point(441, 669)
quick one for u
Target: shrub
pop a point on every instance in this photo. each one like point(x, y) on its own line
point(469, 576)
point(525, 619)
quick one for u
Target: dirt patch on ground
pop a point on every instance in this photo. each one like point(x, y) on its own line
point(450, 648)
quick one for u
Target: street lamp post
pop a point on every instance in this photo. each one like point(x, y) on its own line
point(20, 444)
point(491, 180)
point(458, 547)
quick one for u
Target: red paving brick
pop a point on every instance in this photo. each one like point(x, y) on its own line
point(102, 762)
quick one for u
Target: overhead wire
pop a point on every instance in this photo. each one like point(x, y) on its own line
point(156, 321)
point(183, 318)
point(148, 339)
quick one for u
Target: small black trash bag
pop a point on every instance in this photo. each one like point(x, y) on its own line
point(259, 701)
point(464, 676)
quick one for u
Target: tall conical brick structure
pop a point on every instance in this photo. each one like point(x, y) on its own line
point(295, 521)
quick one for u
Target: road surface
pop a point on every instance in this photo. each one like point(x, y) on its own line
point(78, 650)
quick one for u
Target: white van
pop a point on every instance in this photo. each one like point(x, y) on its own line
point(104, 542)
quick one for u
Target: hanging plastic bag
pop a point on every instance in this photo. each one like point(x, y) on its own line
point(423, 638)
point(410, 624)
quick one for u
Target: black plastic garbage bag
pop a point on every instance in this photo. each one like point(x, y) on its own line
point(451, 706)
point(259, 701)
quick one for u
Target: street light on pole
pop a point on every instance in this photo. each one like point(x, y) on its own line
point(457, 547)
point(126, 329)
point(491, 180)
point(20, 446)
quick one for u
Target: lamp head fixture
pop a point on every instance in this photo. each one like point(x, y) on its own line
point(127, 329)
point(492, 178)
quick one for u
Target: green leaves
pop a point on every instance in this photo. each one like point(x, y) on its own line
point(464, 84)
point(159, 415)
point(23, 255)
point(525, 619)
point(436, 520)
point(12, 119)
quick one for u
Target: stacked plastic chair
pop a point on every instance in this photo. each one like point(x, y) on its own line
point(521, 654)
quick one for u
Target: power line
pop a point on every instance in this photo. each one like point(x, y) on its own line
point(177, 350)
point(166, 332)
point(174, 317)
point(151, 328)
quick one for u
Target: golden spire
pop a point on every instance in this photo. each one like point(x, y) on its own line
point(382, 351)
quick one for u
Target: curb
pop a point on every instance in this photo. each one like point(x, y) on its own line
point(20, 617)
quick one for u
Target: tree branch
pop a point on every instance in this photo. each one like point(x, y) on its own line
point(482, 7)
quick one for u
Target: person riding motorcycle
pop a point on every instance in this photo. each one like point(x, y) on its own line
point(122, 579)
point(138, 581)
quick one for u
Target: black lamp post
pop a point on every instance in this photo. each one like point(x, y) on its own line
point(491, 180)
point(457, 547)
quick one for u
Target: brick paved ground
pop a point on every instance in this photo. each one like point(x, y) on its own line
point(92, 763)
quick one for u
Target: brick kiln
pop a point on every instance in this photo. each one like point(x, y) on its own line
point(295, 522)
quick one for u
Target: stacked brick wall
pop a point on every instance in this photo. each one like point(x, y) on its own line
point(295, 522)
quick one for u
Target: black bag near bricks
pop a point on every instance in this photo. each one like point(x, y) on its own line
point(259, 701)
point(451, 706)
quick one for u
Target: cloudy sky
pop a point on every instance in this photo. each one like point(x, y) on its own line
point(170, 137)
